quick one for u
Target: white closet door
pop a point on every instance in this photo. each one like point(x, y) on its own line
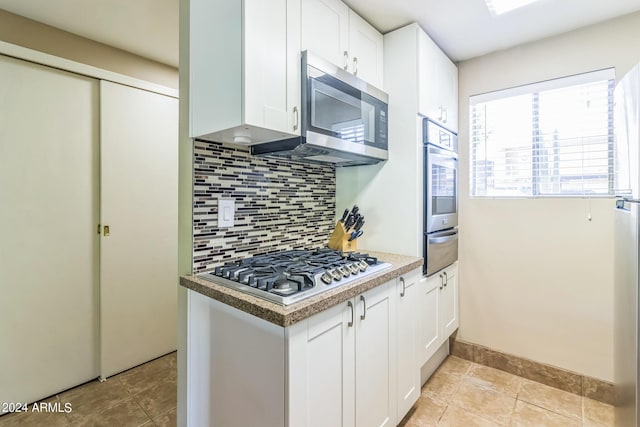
point(139, 203)
point(48, 239)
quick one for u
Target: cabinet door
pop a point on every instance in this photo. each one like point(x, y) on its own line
point(325, 30)
point(428, 90)
point(375, 357)
point(449, 301)
point(269, 68)
point(428, 317)
point(365, 50)
point(139, 203)
point(408, 369)
point(437, 85)
point(321, 379)
point(448, 84)
point(293, 66)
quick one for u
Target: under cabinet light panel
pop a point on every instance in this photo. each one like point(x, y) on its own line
point(498, 7)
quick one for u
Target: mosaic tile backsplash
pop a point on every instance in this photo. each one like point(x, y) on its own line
point(280, 204)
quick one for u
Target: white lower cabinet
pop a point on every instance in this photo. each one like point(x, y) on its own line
point(376, 357)
point(437, 311)
point(407, 366)
point(342, 364)
point(449, 317)
point(321, 383)
point(356, 364)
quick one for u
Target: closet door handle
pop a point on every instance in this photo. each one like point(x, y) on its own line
point(364, 308)
point(403, 286)
point(350, 305)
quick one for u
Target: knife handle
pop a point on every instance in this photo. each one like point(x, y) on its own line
point(355, 235)
point(347, 223)
point(344, 215)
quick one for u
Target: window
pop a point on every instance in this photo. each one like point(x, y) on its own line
point(552, 138)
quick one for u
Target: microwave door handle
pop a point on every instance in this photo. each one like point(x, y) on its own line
point(443, 239)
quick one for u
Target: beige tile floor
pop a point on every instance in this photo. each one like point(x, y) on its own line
point(465, 394)
point(142, 396)
point(460, 393)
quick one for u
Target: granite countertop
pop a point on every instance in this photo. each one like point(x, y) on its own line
point(288, 315)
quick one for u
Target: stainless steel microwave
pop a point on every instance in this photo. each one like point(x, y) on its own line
point(344, 119)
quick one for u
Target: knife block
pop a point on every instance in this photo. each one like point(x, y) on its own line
point(339, 239)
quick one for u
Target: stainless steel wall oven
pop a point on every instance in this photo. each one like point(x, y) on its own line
point(440, 196)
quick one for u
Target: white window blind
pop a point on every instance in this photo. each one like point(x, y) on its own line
point(553, 138)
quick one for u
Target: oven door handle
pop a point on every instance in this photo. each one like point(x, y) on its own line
point(452, 235)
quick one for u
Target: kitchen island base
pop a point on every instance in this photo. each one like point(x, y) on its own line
point(244, 371)
point(236, 367)
point(345, 359)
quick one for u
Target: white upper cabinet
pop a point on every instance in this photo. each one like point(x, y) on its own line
point(365, 50)
point(244, 70)
point(325, 30)
point(244, 63)
point(336, 33)
point(437, 84)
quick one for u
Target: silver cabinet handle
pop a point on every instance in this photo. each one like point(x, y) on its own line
point(355, 66)
point(364, 308)
point(346, 60)
point(445, 115)
point(350, 305)
point(440, 113)
point(446, 279)
point(441, 282)
point(295, 115)
point(403, 286)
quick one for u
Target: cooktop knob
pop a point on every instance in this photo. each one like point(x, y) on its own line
point(345, 271)
point(326, 278)
point(353, 268)
point(336, 274)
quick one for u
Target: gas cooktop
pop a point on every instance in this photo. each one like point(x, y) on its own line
point(291, 276)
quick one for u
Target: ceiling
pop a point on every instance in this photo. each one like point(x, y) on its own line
point(465, 28)
point(462, 28)
point(147, 28)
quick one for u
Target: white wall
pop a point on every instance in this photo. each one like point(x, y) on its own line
point(536, 276)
